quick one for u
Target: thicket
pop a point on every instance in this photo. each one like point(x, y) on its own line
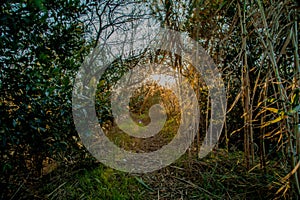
point(255, 45)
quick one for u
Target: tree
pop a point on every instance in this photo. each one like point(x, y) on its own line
point(42, 45)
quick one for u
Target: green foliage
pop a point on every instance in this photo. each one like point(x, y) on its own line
point(43, 43)
point(41, 46)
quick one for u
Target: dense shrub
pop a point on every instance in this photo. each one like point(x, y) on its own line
point(41, 48)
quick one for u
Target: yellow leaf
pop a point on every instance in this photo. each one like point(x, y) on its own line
point(235, 131)
point(274, 121)
point(272, 134)
point(277, 119)
point(274, 110)
point(261, 112)
point(235, 101)
point(293, 98)
point(271, 100)
point(259, 103)
point(244, 114)
point(280, 137)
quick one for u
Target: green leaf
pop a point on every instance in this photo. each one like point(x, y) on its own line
point(143, 183)
point(294, 110)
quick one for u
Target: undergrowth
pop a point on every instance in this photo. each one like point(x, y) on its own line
point(220, 175)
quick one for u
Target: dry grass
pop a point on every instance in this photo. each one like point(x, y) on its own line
point(218, 176)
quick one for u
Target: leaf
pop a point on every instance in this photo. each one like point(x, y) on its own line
point(261, 112)
point(280, 138)
point(271, 100)
point(271, 134)
point(278, 119)
point(235, 101)
point(97, 180)
point(294, 110)
point(259, 103)
point(235, 131)
point(292, 172)
point(143, 183)
point(295, 98)
point(102, 83)
point(274, 110)
point(14, 123)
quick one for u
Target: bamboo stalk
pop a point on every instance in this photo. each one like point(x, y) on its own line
point(248, 131)
point(283, 96)
point(296, 84)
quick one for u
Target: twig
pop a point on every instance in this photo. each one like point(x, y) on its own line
point(56, 189)
point(18, 189)
point(196, 186)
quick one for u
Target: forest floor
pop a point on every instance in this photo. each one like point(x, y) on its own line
point(220, 175)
